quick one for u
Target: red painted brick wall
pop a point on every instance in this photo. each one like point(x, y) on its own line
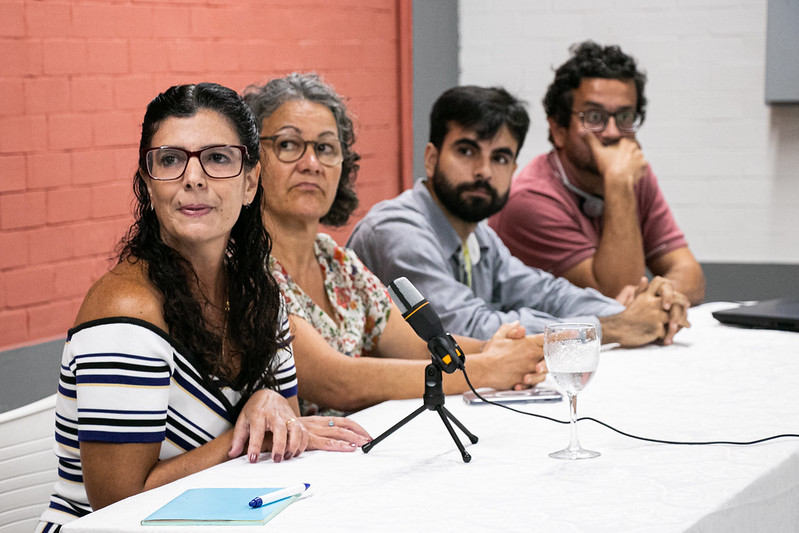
point(76, 76)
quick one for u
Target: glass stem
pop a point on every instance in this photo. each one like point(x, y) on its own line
point(574, 442)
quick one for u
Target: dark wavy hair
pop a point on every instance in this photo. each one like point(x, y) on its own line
point(482, 109)
point(266, 99)
point(590, 60)
point(254, 330)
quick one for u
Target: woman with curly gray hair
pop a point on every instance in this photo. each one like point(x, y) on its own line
point(264, 101)
point(339, 310)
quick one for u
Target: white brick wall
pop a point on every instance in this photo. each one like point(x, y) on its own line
point(728, 163)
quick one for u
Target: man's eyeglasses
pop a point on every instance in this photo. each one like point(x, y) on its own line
point(596, 120)
point(289, 148)
point(169, 162)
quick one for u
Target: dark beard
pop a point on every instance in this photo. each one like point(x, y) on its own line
point(472, 210)
point(587, 166)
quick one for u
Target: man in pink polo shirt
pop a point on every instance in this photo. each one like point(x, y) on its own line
point(591, 210)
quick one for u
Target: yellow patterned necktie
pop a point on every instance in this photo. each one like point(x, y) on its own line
point(467, 263)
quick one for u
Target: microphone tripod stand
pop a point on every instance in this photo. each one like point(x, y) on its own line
point(433, 401)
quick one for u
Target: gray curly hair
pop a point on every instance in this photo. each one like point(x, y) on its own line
point(266, 99)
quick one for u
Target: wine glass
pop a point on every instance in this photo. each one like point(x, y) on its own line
point(572, 355)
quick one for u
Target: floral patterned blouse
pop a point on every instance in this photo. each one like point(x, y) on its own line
point(360, 300)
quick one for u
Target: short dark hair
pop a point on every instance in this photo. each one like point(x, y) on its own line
point(482, 109)
point(265, 100)
point(590, 60)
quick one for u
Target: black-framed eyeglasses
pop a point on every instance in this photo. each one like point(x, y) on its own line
point(289, 147)
point(596, 120)
point(220, 161)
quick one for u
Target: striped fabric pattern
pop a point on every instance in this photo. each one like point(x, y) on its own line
point(124, 380)
point(46, 527)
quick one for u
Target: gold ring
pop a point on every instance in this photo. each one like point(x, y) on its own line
point(290, 420)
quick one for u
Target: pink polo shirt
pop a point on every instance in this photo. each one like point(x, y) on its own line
point(542, 223)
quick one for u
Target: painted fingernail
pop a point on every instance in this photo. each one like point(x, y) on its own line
point(253, 457)
point(277, 458)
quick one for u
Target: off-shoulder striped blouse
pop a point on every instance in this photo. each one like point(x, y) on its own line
point(124, 380)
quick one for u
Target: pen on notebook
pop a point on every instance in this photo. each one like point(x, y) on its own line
point(281, 494)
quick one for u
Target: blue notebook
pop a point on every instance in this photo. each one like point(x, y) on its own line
point(217, 507)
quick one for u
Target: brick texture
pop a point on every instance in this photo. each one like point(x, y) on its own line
point(42, 319)
point(15, 249)
point(13, 327)
point(13, 178)
point(76, 78)
point(12, 19)
point(14, 97)
point(47, 94)
point(48, 169)
point(22, 210)
point(27, 286)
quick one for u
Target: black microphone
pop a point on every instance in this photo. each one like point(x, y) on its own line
point(419, 313)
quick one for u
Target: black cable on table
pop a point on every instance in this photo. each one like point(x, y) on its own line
point(630, 435)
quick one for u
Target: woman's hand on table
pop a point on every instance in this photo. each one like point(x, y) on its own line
point(268, 412)
point(334, 433)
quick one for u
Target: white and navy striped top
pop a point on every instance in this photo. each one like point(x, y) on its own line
point(125, 380)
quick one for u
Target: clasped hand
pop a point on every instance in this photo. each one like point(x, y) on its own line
point(518, 352)
point(268, 423)
point(658, 303)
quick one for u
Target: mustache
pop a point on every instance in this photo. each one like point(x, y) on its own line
point(477, 185)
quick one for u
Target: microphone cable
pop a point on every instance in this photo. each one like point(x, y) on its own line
point(427, 324)
point(630, 435)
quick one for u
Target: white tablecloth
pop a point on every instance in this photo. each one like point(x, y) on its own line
point(715, 383)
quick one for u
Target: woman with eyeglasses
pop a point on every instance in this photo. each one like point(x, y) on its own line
point(180, 356)
point(352, 348)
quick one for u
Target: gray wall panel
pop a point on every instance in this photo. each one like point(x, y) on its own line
point(742, 282)
point(435, 65)
point(29, 374)
point(782, 44)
